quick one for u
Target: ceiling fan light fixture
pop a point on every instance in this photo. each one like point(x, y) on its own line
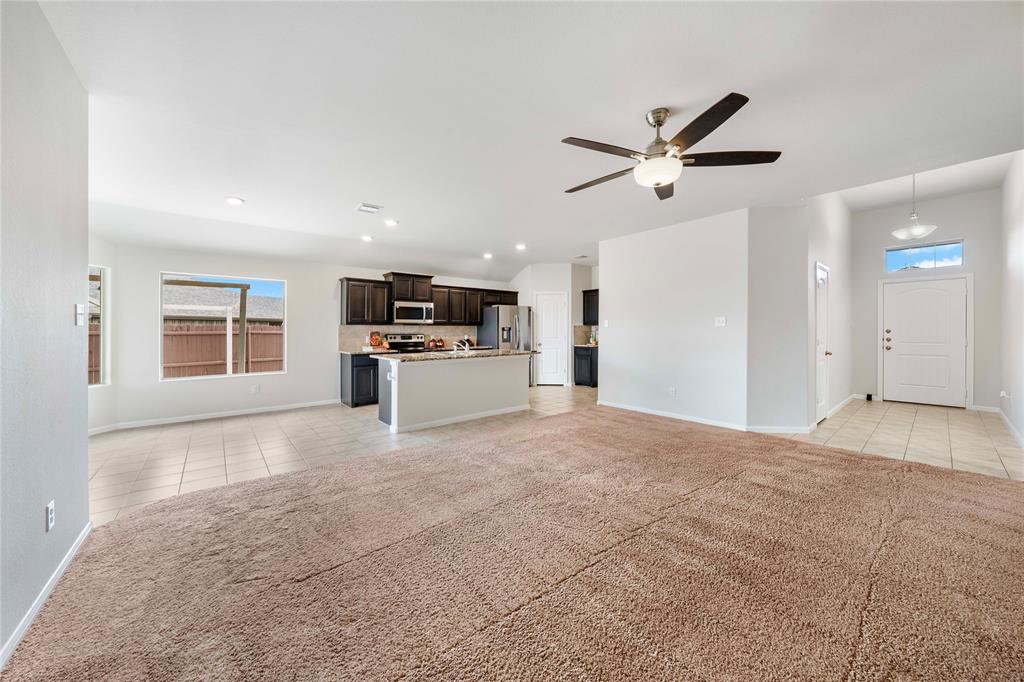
point(658, 171)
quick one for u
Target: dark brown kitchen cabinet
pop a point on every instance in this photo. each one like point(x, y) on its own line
point(492, 297)
point(440, 297)
point(590, 308)
point(409, 287)
point(457, 306)
point(358, 380)
point(474, 306)
point(509, 298)
point(585, 365)
point(365, 301)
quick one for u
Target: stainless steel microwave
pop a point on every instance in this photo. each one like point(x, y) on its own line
point(414, 312)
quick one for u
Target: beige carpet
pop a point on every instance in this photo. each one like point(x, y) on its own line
point(596, 545)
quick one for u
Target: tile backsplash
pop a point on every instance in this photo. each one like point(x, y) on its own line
point(581, 334)
point(352, 337)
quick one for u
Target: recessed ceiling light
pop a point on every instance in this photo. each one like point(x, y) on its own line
point(235, 201)
point(391, 222)
point(520, 247)
point(367, 238)
point(368, 208)
point(488, 256)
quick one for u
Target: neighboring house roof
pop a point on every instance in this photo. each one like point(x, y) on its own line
point(212, 302)
point(94, 298)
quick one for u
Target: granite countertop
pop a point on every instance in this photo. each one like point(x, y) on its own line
point(452, 355)
point(376, 351)
point(585, 345)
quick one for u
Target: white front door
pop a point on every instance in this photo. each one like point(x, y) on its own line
point(924, 342)
point(552, 320)
point(821, 351)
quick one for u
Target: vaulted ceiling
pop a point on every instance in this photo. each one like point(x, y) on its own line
point(449, 115)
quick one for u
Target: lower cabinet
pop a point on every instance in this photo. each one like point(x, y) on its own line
point(358, 380)
point(585, 365)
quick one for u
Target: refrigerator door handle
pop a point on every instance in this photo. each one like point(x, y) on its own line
point(516, 321)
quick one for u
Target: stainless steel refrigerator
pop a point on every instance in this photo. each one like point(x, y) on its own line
point(508, 327)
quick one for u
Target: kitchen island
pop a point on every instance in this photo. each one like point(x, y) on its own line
point(422, 390)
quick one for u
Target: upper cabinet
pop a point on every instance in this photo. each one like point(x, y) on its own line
point(591, 315)
point(406, 287)
point(440, 297)
point(474, 306)
point(365, 301)
point(457, 306)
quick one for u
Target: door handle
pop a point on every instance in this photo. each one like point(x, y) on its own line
point(888, 347)
point(828, 352)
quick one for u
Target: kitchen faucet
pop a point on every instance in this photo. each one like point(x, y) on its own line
point(463, 344)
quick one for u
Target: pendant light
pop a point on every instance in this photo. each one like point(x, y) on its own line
point(915, 230)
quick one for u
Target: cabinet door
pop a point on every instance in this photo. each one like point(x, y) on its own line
point(378, 303)
point(357, 298)
point(510, 298)
point(474, 307)
point(590, 307)
point(582, 367)
point(457, 306)
point(440, 296)
point(403, 287)
point(364, 385)
point(492, 297)
point(421, 289)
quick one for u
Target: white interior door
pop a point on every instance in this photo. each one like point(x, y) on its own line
point(821, 351)
point(552, 319)
point(924, 342)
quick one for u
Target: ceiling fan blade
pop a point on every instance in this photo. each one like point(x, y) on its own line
point(664, 192)
point(606, 178)
point(601, 147)
point(718, 114)
point(729, 158)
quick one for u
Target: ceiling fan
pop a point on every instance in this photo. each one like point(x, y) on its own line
point(661, 163)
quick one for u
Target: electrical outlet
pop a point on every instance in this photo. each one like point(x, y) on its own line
point(606, 324)
point(720, 321)
point(672, 391)
point(51, 516)
point(1004, 394)
point(255, 388)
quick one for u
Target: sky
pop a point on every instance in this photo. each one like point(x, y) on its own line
point(257, 287)
point(930, 256)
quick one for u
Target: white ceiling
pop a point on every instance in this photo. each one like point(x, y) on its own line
point(450, 114)
point(962, 177)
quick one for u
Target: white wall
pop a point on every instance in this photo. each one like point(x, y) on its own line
point(660, 292)
point(1012, 345)
point(777, 324)
point(551, 278)
point(830, 241)
point(977, 218)
point(313, 311)
point(43, 274)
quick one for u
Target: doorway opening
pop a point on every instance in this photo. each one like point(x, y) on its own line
point(822, 275)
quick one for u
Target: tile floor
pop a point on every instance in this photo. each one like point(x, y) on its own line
point(132, 468)
point(944, 436)
point(129, 469)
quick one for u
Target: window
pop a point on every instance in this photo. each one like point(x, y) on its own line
point(97, 323)
point(198, 310)
point(924, 256)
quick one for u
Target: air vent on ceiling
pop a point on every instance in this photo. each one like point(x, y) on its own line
point(368, 208)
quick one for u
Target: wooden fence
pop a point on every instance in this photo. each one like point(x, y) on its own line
point(95, 353)
point(195, 348)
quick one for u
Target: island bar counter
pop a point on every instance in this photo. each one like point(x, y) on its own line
point(419, 391)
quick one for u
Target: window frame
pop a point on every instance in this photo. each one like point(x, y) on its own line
point(888, 249)
point(105, 327)
point(160, 326)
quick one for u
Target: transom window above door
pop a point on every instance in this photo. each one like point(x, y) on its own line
point(924, 256)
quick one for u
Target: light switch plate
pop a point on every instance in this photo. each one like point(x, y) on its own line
point(720, 321)
point(79, 314)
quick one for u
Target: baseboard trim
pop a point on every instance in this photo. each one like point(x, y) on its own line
point(1013, 429)
point(455, 420)
point(780, 429)
point(984, 408)
point(12, 642)
point(209, 415)
point(845, 402)
point(673, 415)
